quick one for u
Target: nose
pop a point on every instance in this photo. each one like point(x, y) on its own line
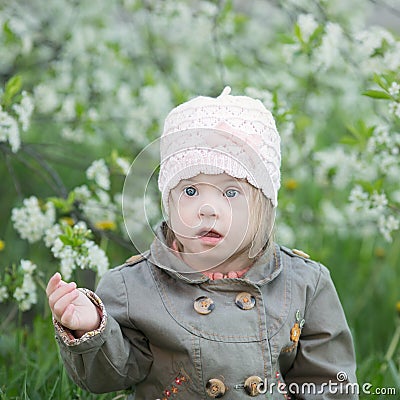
point(207, 210)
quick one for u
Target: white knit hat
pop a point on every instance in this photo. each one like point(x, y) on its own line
point(232, 134)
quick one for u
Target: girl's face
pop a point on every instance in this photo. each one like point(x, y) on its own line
point(209, 215)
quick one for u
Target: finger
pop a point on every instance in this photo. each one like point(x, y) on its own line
point(63, 303)
point(60, 292)
point(54, 281)
point(68, 316)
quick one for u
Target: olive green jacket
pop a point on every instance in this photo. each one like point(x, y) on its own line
point(170, 333)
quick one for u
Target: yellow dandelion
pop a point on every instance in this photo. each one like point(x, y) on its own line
point(398, 307)
point(106, 225)
point(2, 245)
point(380, 252)
point(291, 184)
point(68, 220)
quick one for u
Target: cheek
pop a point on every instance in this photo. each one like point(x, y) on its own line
point(241, 211)
point(181, 216)
point(240, 219)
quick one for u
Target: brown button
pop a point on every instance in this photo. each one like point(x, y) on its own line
point(203, 305)
point(251, 385)
point(215, 388)
point(245, 301)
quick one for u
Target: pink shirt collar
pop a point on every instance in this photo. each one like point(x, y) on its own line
point(216, 275)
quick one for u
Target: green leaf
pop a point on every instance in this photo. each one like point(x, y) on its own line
point(64, 205)
point(13, 86)
point(79, 109)
point(8, 33)
point(68, 231)
point(58, 202)
point(224, 12)
point(297, 32)
point(378, 80)
point(360, 133)
point(148, 78)
point(71, 198)
point(349, 140)
point(76, 242)
point(285, 38)
point(66, 240)
point(316, 36)
point(377, 94)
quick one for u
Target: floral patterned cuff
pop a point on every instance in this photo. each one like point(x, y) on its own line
point(67, 335)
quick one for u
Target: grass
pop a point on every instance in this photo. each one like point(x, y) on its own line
point(31, 369)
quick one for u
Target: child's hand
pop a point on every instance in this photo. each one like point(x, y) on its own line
point(71, 307)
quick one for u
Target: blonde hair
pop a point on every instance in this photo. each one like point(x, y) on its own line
point(261, 222)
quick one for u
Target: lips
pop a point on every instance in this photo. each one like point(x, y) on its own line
point(210, 233)
point(209, 237)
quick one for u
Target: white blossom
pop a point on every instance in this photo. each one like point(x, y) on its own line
point(289, 51)
point(74, 135)
point(28, 266)
point(9, 130)
point(68, 111)
point(87, 255)
point(157, 98)
point(97, 257)
point(30, 221)
point(24, 110)
point(19, 294)
point(101, 208)
point(67, 262)
point(387, 225)
point(3, 294)
point(394, 89)
point(335, 164)
point(57, 247)
point(307, 25)
point(26, 295)
point(368, 41)
point(93, 114)
point(98, 172)
point(51, 234)
point(124, 164)
point(46, 98)
point(379, 201)
point(359, 198)
point(391, 59)
point(82, 193)
point(329, 52)
point(394, 108)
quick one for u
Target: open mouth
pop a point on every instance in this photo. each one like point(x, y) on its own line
point(209, 234)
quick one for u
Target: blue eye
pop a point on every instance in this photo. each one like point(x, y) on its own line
point(231, 193)
point(190, 191)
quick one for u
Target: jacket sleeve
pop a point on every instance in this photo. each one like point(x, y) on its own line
point(325, 355)
point(116, 356)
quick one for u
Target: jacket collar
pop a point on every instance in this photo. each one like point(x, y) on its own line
point(263, 271)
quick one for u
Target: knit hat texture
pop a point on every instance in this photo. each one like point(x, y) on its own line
point(232, 134)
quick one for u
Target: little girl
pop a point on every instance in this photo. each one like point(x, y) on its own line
point(215, 308)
